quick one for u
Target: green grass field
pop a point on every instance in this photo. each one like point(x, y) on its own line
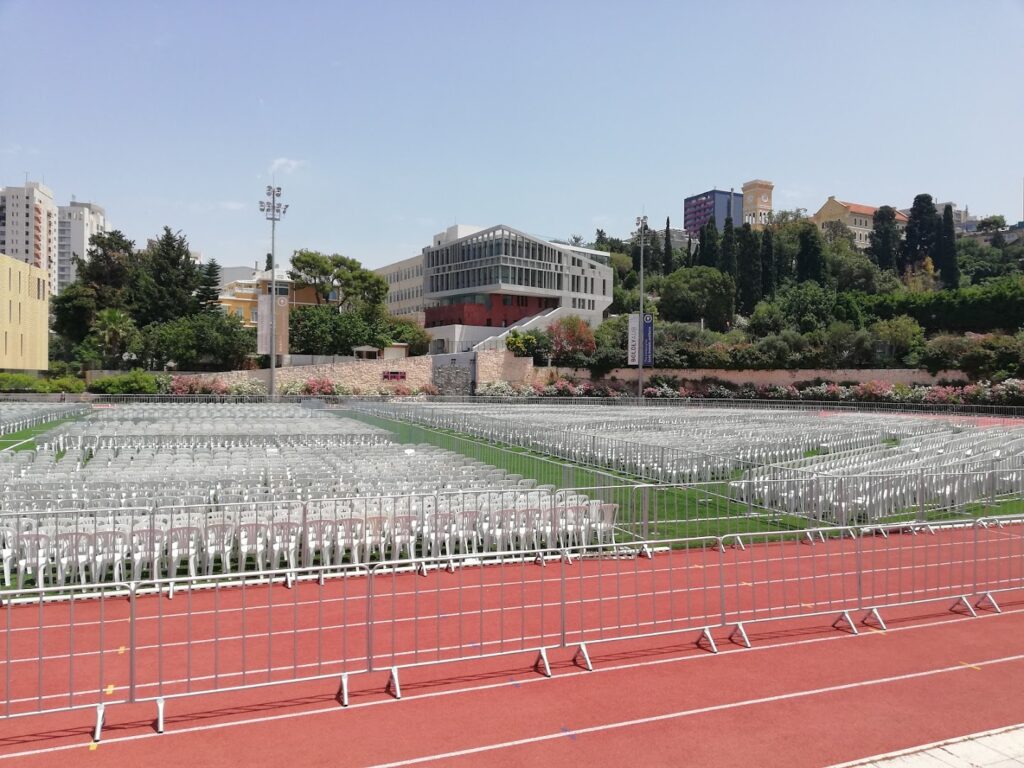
point(29, 435)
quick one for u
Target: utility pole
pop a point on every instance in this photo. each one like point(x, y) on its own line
point(641, 223)
point(273, 211)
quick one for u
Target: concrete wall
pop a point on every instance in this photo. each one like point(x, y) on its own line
point(362, 375)
point(501, 365)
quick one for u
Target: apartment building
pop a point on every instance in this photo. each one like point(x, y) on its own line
point(405, 288)
point(77, 223)
point(28, 227)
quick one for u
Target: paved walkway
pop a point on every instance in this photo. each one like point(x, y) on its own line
point(1003, 748)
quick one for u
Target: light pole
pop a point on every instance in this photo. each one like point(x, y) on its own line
point(273, 211)
point(641, 223)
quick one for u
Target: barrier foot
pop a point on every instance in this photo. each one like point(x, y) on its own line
point(962, 600)
point(987, 598)
point(884, 532)
point(342, 695)
point(421, 568)
point(539, 560)
point(450, 567)
point(581, 652)
point(739, 630)
point(645, 551)
point(566, 557)
point(541, 662)
point(738, 544)
point(813, 537)
point(394, 687)
point(160, 715)
point(320, 579)
point(170, 591)
point(845, 617)
point(705, 637)
point(98, 730)
point(874, 614)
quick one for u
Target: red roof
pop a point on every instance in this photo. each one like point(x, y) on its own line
point(867, 210)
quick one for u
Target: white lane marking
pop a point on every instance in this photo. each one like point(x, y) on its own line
point(688, 713)
point(517, 683)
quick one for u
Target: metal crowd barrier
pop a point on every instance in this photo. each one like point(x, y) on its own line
point(91, 646)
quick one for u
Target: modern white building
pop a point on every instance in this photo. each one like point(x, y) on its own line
point(405, 288)
point(479, 281)
point(78, 222)
point(28, 227)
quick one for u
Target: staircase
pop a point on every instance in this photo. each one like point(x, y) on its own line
point(540, 321)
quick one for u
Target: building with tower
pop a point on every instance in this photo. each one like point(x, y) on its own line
point(757, 202)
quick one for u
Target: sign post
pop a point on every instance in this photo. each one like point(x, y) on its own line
point(633, 344)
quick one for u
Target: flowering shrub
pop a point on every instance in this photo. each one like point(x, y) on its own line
point(290, 388)
point(318, 385)
point(1008, 392)
point(247, 388)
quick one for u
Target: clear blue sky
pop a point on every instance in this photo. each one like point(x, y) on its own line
point(389, 120)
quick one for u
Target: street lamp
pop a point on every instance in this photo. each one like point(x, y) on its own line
point(273, 210)
point(641, 224)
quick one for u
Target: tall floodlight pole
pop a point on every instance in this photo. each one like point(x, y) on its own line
point(273, 210)
point(641, 224)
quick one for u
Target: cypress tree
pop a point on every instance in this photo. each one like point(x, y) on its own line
point(922, 232)
point(709, 245)
point(945, 251)
point(884, 238)
point(768, 267)
point(748, 274)
point(667, 256)
point(810, 256)
point(727, 254)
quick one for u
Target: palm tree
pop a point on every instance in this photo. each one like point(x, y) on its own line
point(112, 332)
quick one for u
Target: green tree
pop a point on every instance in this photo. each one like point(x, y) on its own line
point(111, 270)
point(696, 293)
point(312, 269)
point(900, 338)
point(708, 247)
point(668, 253)
point(884, 238)
point(977, 261)
point(359, 289)
point(833, 231)
point(945, 251)
point(74, 310)
point(769, 273)
point(113, 331)
point(748, 274)
point(207, 341)
point(992, 224)
point(174, 278)
point(810, 257)
point(727, 254)
point(208, 290)
point(311, 329)
point(922, 233)
point(404, 331)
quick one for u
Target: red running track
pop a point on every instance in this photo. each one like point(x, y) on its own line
point(203, 640)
